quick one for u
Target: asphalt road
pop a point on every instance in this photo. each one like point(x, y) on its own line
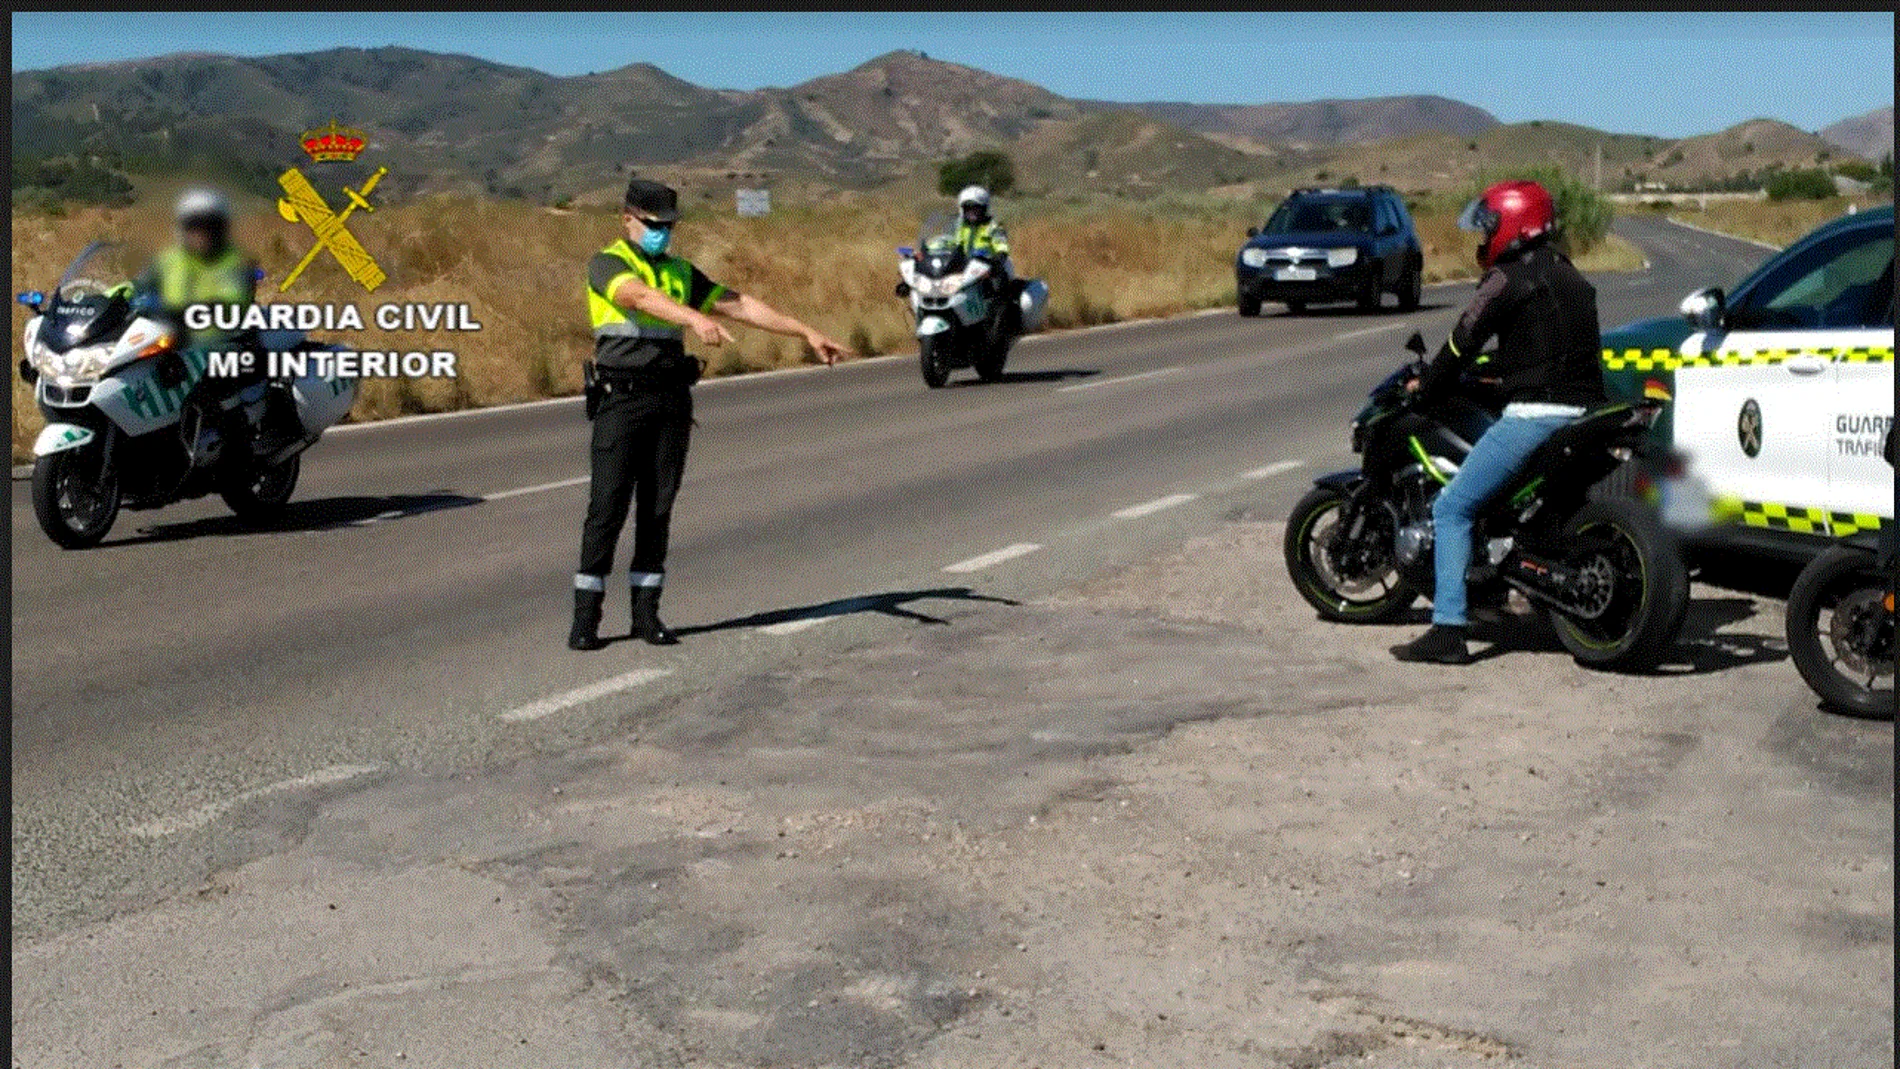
point(411, 611)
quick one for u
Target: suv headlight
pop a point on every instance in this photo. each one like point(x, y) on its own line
point(1345, 257)
point(1254, 257)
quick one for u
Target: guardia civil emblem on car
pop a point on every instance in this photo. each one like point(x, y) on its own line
point(1748, 427)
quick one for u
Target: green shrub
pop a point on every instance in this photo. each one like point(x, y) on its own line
point(983, 168)
point(1801, 185)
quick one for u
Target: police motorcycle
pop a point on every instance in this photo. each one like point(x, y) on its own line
point(958, 323)
point(1359, 545)
point(110, 374)
point(1840, 622)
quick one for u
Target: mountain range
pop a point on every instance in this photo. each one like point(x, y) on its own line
point(449, 123)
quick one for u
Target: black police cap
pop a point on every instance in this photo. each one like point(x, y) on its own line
point(652, 200)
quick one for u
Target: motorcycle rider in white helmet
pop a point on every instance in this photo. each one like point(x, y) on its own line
point(983, 238)
point(205, 267)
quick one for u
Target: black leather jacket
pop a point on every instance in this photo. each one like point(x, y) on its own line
point(1543, 314)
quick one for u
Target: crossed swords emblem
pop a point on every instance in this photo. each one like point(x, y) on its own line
point(302, 203)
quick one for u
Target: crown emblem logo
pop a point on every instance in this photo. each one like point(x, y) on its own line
point(333, 143)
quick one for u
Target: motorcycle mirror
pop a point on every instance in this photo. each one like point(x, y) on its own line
point(1253, 231)
point(903, 289)
point(906, 251)
point(32, 299)
point(1416, 343)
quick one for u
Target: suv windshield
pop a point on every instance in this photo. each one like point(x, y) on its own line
point(1307, 216)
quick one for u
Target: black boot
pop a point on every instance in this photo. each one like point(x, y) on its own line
point(1443, 644)
point(585, 634)
point(646, 618)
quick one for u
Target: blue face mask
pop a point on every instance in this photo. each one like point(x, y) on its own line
point(655, 240)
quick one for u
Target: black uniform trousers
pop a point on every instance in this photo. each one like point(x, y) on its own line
point(638, 458)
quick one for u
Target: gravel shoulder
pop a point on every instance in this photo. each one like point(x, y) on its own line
point(1162, 818)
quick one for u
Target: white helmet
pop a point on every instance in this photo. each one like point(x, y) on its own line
point(976, 195)
point(201, 204)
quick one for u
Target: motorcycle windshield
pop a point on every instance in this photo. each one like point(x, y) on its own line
point(91, 301)
point(100, 268)
point(937, 245)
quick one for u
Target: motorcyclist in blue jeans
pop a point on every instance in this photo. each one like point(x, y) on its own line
point(1543, 314)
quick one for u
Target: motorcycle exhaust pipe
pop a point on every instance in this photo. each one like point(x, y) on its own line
point(1549, 581)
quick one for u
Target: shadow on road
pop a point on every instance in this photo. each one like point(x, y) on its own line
point(890, 604)
point(1701, 647)
point(1021, 377)
point(316, 515)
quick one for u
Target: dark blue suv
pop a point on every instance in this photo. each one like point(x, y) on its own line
point(1332, 245)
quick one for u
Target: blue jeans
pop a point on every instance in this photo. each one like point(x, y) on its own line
point(1493, 460)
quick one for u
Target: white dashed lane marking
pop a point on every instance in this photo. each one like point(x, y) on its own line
point(1272, 469)
point(1118, 380)
point(517, 492)
point(1369, 330)
point(977, 564)
point(792, 627)
point(205, 814)
point(583, 695)
point(1149, 508)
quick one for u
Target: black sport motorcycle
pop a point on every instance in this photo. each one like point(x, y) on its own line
point(1840, 622)
point(1359, 545)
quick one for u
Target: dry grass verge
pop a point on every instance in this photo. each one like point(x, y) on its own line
point(1777, 223)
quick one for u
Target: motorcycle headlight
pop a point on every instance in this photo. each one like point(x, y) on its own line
point(1345, 257)
point(76, 365)
point(1254, 257)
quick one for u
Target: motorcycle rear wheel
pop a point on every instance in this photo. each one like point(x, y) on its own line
point(931, 360)
point(263, 496)
point(1648, 593)
point(1308, 548)
point(1846, 584)
point(75, 503)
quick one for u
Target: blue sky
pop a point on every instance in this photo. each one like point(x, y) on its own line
point(1665, 73)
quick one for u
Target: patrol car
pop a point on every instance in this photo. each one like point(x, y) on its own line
point(1781, 392)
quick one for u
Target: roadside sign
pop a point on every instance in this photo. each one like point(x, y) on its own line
point(754, 202)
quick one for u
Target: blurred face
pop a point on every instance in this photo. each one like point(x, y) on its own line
point(651, 235)
point(202, 237)
point(972, 213)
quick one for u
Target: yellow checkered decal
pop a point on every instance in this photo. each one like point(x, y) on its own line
point(1638, 360)
point(1670, 360)
point(1808, 520)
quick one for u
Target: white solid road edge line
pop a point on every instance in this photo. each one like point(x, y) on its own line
point(1718, 234)
point(1149, 508)
point(583, 695)
point(977, 564)
point(1273, 469)
point(205, 814)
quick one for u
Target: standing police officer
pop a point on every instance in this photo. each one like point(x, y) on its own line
point(641, 301)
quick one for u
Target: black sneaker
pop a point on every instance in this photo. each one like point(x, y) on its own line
point(1443, 644)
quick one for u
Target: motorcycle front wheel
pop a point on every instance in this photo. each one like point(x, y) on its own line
point(75, 498)
point(1354, 581)
point(1638, 583)
point(262, 494)
point(1840, 632)
point(932, 360)
point(989, 366)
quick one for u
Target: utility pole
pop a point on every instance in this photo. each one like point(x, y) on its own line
point(1599, 183)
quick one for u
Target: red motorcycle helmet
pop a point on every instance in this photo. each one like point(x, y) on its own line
point(1510, 215)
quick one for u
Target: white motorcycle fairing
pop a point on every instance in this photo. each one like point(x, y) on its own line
point(59, 437)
